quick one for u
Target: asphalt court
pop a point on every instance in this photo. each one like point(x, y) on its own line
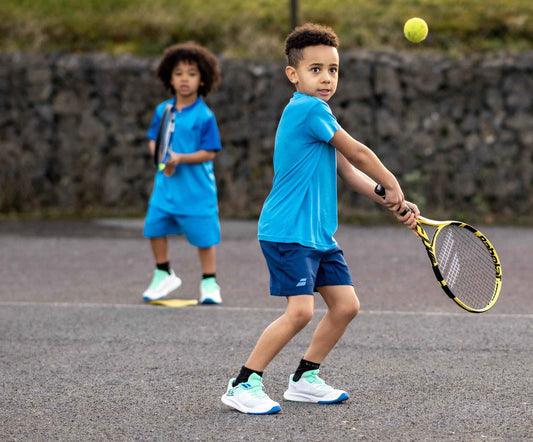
point(83, 358)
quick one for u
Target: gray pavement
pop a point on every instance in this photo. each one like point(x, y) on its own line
point(83, 358)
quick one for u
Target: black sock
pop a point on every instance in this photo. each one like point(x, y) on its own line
point(209, 275)
point(303, 367)
point(245, 374)
point(164, 266)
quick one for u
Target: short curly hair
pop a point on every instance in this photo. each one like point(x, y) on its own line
point(309, 34)
point(190, 52)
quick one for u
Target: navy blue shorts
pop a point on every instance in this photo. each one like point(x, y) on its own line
point(299, 270)
point(200, 231)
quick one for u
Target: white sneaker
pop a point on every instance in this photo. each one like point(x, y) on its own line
point(162, 284)
point(210, 291)
point(249, 397)
point(310, 388)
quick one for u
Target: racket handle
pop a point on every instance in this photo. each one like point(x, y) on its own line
point(380, 190)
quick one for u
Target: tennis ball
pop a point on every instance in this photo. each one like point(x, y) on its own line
point(161, 166)
point(415, 30)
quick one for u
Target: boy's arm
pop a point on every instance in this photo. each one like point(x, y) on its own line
point(367, 161)
point(151, 145)
point(200, 156)
point(357, 180)
point(363, 184)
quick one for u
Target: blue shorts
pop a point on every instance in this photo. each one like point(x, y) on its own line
point(200, 231)
point(299, 270)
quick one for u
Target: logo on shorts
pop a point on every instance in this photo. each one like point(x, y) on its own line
point(302, 282)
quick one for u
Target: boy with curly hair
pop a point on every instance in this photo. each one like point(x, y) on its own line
point(299, 219)
point(184, 198)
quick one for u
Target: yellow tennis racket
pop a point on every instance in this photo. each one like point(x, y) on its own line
point(464, 262)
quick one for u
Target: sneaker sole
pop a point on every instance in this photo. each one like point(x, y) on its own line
point(171, 288)
point(210, 301)
point(304, 398)
point(235, 405)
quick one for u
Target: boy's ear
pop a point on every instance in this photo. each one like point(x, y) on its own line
point(291, 74)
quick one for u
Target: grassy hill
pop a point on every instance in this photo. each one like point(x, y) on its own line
point(257, 29)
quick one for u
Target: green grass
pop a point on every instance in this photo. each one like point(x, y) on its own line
point(257, 29)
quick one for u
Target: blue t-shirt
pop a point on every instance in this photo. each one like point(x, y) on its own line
point(302, 205)
point(191, 190)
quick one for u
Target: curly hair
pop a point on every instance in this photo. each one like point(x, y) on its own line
point(309, 34)
point(193, 53)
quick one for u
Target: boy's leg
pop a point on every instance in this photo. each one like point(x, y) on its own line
point(305, 385)
point(208, 260)
point(160, 249)
point(297, 315)
point(343, 306)
point(247, 395)
point(157, 225)
point(209, 289)
point(204, 232)
point(164, 279)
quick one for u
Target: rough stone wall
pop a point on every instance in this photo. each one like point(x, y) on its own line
point(458, 133)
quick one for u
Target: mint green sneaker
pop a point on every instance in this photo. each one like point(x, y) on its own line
point(162, 284)
point(311, 388)
point(249, 397)
point(210, 291)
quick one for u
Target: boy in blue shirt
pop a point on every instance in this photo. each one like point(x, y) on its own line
point(184, 198)
point(299, 218)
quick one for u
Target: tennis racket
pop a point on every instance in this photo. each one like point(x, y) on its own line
point(464, 261)
point(164, 138)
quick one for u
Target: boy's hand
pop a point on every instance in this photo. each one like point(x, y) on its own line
point(172, 162)
point(409, 219)
point(394, 199)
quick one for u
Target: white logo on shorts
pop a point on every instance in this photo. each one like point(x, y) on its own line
point(302, 282)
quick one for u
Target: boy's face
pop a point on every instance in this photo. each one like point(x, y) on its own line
point(317, 74)
point(186, 79)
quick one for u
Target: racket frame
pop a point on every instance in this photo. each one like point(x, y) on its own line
point(430, 249)
point(429, 245)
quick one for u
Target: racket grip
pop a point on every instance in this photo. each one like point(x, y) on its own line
point(380, 190)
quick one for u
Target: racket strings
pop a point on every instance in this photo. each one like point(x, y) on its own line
point(165, 136)
point(466, 265)
point(169, 131)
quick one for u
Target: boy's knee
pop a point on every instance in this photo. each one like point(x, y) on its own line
point(300, 317)
point(355, 308)
point(350, 309)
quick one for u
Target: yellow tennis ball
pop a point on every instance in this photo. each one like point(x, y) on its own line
point(415, 30)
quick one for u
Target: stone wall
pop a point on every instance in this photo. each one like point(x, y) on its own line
point(458, 133)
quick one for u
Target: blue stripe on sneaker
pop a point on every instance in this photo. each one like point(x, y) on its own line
point(274, 409)
point(209, 301)
point(341, 398)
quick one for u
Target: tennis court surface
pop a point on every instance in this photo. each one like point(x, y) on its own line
point(83, 358)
